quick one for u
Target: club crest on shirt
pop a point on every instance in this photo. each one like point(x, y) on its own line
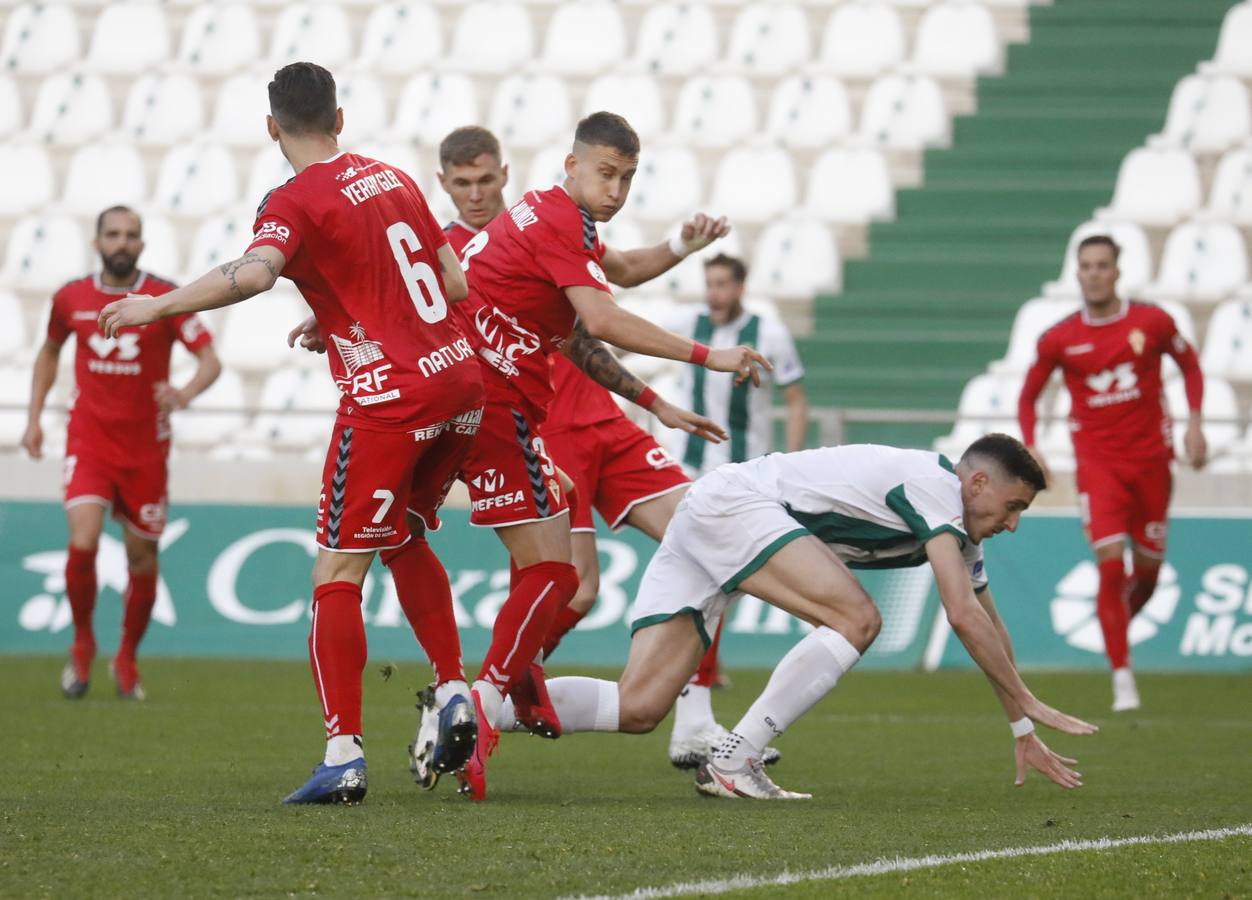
point(1138, 340)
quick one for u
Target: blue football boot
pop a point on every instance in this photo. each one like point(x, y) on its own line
point(333, 784)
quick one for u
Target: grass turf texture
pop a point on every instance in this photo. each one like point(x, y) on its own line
point(180, 795)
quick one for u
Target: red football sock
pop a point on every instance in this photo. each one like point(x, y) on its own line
point(337, 653)
point(141, 591)
point(1140, 587)
point(562, 624)
point(706, 675)
point(80, 589)
point(525, 620)
point(426, 598)
point(1113, 612)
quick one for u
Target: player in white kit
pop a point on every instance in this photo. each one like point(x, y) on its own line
point(788, 528)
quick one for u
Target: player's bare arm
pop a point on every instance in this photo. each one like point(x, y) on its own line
point(455, 287)
point(1027, 411)
point(208, 368)
point(253, 273)
point(42, 379)
point(629, 268)
point(604, 319)
point(1194, 444)
point(594, 358)
point(797, 402)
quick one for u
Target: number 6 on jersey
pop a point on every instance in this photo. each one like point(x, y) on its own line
point(430, 304)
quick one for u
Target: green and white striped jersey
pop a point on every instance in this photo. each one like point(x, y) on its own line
point(875, 506)
point(743, 410)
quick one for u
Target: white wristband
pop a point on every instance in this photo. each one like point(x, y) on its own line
point(1022, 727)
point(678, 246)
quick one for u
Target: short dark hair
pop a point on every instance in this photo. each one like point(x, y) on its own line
point(738, 270)
point(1100, 240)
point(302, 99)
point(606, 129)
point(1010, 455)
point(116, 209)
point(464, 145)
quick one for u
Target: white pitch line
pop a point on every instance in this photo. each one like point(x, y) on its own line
point(884, 866)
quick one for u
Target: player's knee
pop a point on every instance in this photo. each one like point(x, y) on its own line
point(638, 715)
point(588, 590)
point(563, 575)
point(142, 563)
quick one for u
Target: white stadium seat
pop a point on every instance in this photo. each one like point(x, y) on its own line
point(852, 186)
point(905, 112)
point(11, 118)
point(667, 184)
point(1231, 195)
point(269, 170)
point(1202, 261)
point(988, 403)
point(161, 255)
point(36, 186)
point(584, 37)
point(754, 184)
point(769, 39)
point(40, 38)
point(636, 97)
point(239, 114)
point(130, 37)
point(13, 341)
point(715, 111)
point(530, 110)
point(1032, 320)
point(1227, 351)
point(547, 167)
point(313, 32)
point(862, 39)
point(676, 39)
point(196, 179)
point(795, 258)
point(15, 395)
point(1219, 402)
point(401, 37)
point(220, 38)
point(1155, 186)
point(1134, 259)
point(1053, 434)
point(364, 103)
point(308, 401)
point(44, 252)
point(163, 109)
point(491, 37)
point(71, 108)
point(397, 154)
point(957, 39)
point(104, 174)
point(1208, 114)
point(809, 111)
point(219, 239)
point(254, 335)
point(622, 233)
point(432, 104)
point(215, 416)
point(1234, 45)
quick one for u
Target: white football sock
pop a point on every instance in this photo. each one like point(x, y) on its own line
point(805, 675)
point(508, 717)
point(450, 689)
point(491, 699)
point(343, 748)
point(584, 704)
point(693, 711)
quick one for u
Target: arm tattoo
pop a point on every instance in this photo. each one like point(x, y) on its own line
point(231, 271)
point(594, 358)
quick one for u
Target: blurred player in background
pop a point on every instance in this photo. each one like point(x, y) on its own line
point(1110, 354)
point(118, 440)
point(358, 240)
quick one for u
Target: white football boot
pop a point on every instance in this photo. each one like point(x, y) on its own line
point(749, 781)
point(687, 751)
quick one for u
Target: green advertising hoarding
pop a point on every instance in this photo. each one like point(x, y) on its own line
point(235, 583)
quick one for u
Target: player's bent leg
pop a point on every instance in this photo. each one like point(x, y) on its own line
point(653, 516)
point(1145, 571)
point(86, 522)
point(1113, 612)
point(586, 560)
point(140, 598)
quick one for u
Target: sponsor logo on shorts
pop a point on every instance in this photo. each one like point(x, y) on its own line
point(489, 481)
point(508, 498)
point(658, 458)
point(152, 515)
point(468, 423)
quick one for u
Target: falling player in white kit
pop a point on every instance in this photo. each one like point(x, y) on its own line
point(787, 528)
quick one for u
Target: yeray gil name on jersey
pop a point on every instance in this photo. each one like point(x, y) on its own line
point(371, 186)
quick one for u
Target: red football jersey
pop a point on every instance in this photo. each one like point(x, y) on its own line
point(518, 267)
point(114, 414)
point(459, 234)
point(1112, 369)
point(361, 245)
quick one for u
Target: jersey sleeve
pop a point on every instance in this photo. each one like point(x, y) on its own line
point(191, 332)
point(929, 507)
point(1036, 378)
point(569, 261)
point(781, 351)
point(278, 224)
point(58, 325)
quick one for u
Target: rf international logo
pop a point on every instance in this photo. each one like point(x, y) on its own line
point(1074, 608)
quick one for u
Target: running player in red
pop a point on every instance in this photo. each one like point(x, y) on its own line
point(538, 282)
point(119, 437)
point(357, 238)
point(1110, 355)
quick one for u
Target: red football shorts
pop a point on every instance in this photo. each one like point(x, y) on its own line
point(615, 465)
point(136, 493)
point(1126, 500)
point(372, 478)
point(510, 478)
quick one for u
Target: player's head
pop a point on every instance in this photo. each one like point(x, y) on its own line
point(1097, 268)
point(724, 278)
point(303, 104)
point(119, 240)
point(473, 174)
point(999, 480)
point(599, 169)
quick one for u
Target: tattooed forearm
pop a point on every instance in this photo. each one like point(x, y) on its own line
point(231, 271)
point(601, 366)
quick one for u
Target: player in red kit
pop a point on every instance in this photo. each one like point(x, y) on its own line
point(1110, 356)
point(358, 240)
point(538, 282)
point(119, 437)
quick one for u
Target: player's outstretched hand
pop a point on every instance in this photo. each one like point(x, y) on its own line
point(672, 416)
point(169, 398)
point(743, 361)
point(133, 309)
point(1043, 714)
point(32, 440)
point(701, 230)
point(1033, 753)
point(309, 335)
point(1196, 445)
point(1043, 464)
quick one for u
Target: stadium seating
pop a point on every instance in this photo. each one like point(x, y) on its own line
point(253, 335)
point(1231, 195)
point(129, 39)
point(905, 112)
point(1134, 260)
point(37, 185)
point(850, 186)
point(1032, 320)
point(1234, 45)
point(163, 109)
point(528, 111)
point(715, 111)
point(566, 47)
point(794, 258)
point(400, 37)
point(240, 111)
point(196, 179)
point(40, 38)
point(676, 39)
point(957, 39)
point(1156, 186)
point(809, 111)
point(635, 96)
point(432, 104)
point(667, 184)
point(491, 38)
point(769, 39)
point(71, 108)
point(1208, 114)
point(862, 39)
point(219, 39)
point(104, 174)
point(1201, 262)
point(1227, 351)
point(754, 184)
point(44, 252)
point(220, 416)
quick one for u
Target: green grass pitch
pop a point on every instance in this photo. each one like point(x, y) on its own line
point(179, 796)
